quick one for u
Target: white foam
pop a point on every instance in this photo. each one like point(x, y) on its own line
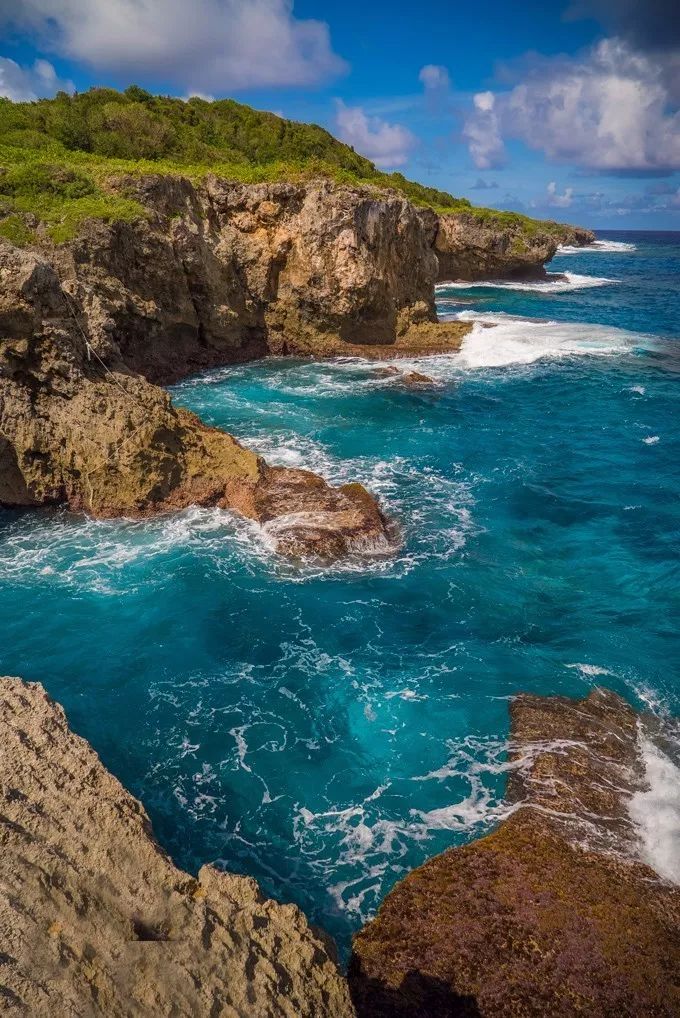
point(651, 439)
point(516, 340)
point(605, 246)
point(556, 282)
point(590, 671)
point(656, 812)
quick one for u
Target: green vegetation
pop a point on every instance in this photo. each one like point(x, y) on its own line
point(58, 155)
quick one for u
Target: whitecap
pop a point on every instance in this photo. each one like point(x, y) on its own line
point(555, 282)
point(591, 671)
point(605, 246)
point(651, 439)
point(517, 340)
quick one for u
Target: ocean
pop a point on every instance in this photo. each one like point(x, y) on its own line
point(325, 730)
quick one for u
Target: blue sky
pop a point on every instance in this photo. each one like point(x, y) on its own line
point(565, 109)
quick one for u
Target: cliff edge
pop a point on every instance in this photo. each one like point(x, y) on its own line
point(96, 920)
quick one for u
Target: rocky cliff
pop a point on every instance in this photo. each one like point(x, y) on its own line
point(213, 274)
point(553, 913)
point(210, 275)
point(96, 920)
point(472, 248)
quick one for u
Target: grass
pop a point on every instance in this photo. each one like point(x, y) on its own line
point(59, 158)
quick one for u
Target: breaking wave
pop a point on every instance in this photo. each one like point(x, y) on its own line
point(498, 339)
point(554, 282)
point(605, 246)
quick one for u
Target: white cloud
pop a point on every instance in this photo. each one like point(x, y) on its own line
point(388, 145)
point(610, 110)
point(434, 76)
point(482, 131)
point(560, 201)
point(23, 84)
point(208, 46)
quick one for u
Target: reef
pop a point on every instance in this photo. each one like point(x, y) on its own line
point(551, 914)
point(96, 920)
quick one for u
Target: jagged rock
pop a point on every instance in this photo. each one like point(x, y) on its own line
point(213, 274)
point(416, 380)
point(553, 913)
point(225, 272)
point(96, 920)
point(79, 428)
point(471, 248)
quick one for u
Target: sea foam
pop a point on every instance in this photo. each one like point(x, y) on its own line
point(554, 282)
point(656, 811)
point(605, 246)
point(517, 340)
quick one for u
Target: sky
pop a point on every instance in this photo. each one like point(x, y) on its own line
point(565, 109)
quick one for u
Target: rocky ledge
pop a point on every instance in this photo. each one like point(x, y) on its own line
point(553, 913)
point(96, 920)
point(470, 248)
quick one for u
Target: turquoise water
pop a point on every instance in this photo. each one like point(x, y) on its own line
point(327, 730)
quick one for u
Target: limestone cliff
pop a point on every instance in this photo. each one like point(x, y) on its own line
point(552, 914)
point(96, 920)
point(226, 272)
point(472, 248)
point(78, 427)
point(214, 274)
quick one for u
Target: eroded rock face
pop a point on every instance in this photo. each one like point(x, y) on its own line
point(552, 914)
point(469, 248)
point(96, 920)
point(79, 428)
point(225, 272)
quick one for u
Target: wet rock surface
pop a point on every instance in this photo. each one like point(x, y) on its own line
point(96, 920)
point(552, 914)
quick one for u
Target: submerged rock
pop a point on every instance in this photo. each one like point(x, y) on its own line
point(417, 380)
point(96, 920)
point(553, 913)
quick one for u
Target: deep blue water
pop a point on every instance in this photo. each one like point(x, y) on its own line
point(326, 730)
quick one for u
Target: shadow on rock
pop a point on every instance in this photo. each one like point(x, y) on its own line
point(418, 996)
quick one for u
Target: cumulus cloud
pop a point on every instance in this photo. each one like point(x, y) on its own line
point(557, 200)
point(388, 145)
point(484, 185)
point(482, 131)
point(22, 84)
point(204, 46)
point(435, 77)
point(610, 110)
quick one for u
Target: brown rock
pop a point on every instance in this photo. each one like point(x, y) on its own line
point(96, 920)
point(550, 915)
point(79, 428)
point(470, 248)
point(416, 380)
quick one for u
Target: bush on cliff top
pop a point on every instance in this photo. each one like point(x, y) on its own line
point(55, 154)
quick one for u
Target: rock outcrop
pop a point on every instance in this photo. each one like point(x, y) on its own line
point(553, 913)
point(226, 272)
point(96, 920)
point(213, 274)
point(471, 248)
point(78, 427)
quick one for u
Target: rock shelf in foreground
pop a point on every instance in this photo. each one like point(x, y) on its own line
point(96, 920)
point(550, 915)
